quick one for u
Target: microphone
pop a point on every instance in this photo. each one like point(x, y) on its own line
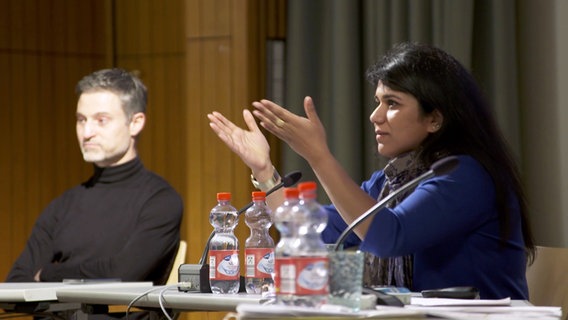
point(440, 167)
point(196, 275)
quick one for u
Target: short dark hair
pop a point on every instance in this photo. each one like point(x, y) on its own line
point(129, 88)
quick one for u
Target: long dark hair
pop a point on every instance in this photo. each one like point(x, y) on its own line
point(439, 82)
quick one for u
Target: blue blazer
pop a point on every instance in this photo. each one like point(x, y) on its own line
point(450, 225)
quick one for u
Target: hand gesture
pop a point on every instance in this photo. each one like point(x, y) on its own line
point(305, 135)
point(250, 145)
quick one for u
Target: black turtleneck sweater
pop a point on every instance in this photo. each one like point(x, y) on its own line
point(122, 223)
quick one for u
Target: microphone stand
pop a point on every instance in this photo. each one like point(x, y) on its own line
point(196, 276)
point(439, 167)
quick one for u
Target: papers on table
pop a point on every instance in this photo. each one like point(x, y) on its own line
point(502, 309)
point(257, 311)
point(482, 309)
point(493, 313)
point(433, 302)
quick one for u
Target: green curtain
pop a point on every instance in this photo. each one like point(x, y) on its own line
point(330, 44)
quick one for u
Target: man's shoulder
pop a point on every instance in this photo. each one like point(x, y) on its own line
point(156, 183)
point(154, 177)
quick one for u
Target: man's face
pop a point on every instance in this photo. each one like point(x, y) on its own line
point(105, 134)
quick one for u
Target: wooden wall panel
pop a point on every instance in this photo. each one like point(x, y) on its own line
point(225, 68)
point(195, 56)
point(208, 18)
point(210, 67)
point(275, 15)
point(208, 165)
point(149, 41)
point(6, 204)
point(42, 58)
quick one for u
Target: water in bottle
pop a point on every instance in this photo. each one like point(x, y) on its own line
point(259, 247)
point(284, 269)
point(310, 253)
point(224, 268)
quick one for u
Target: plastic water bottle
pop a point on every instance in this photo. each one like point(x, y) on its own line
point(310, 253)
point(259, 247)
point(224, 268)
point(284, 269)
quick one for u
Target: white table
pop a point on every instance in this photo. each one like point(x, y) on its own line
point(172, 298)
point(41, 297)
point(28, 291)
point(46, 291)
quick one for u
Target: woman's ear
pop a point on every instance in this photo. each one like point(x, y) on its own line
point(437, 119)
point(137, 123)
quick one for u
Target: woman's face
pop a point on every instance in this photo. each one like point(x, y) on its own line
point(400, 126)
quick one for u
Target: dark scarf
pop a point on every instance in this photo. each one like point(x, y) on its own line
point(394, 271)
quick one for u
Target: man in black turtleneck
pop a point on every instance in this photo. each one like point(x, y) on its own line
point(124, 222)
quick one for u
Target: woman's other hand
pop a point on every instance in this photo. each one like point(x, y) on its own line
point(305, 135)
point(250, 145)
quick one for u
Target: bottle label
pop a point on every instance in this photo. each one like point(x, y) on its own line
point(284, 276)
point(224, 264)
point(313, 275)
point(259, 262)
